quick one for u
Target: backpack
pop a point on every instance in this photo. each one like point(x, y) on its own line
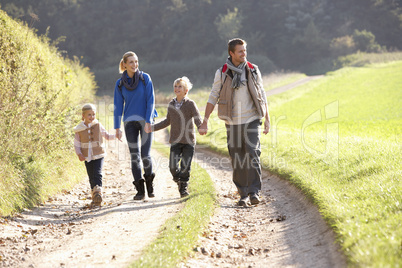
point(141, 78)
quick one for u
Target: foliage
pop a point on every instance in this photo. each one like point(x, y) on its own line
point(342, 46)
point(39, 91)
point(292, 34)
point(337, 139)
point(362, 59)
point(229, 25)
point(365, 41)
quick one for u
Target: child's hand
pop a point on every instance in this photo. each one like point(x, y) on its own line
point(203, 129)
point(81, 157)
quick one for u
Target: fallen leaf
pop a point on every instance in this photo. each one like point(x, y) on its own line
point(204, 251)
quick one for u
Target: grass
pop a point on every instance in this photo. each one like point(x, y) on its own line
point(180, 233)
point(338, 139)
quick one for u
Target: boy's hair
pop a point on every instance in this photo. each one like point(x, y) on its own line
point(186, 82)
point(233, 43)
point(124, 60)
point(88, 107)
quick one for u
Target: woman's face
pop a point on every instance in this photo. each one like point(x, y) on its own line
point(131, 64)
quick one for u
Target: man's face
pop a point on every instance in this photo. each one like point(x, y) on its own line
point(239, 55)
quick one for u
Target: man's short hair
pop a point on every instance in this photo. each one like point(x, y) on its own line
point(233, 43)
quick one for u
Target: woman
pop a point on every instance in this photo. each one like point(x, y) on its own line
point(134, 95)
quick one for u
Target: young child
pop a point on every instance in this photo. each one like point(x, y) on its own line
point(180, 114)
point(89, 147)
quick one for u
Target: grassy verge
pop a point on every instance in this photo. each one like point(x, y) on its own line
point(338, 139)
point(180, 233)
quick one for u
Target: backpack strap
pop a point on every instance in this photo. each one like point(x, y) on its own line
point(253, 70)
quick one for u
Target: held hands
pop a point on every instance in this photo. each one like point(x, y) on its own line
point(203, 129)
point(266, 127)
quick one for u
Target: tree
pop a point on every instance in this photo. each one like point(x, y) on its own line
point(228, 26)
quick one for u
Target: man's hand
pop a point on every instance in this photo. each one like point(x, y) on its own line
point(266, 127)
point(119, 134)
point(148, 128)
point(203, 129)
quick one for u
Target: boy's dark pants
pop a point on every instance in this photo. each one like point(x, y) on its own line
point(183, 152)
point(94, 170)
point(245, 150)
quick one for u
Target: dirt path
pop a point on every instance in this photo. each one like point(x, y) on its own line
point(284, 230)
point(63, 232)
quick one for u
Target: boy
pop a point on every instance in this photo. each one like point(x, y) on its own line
point(180, 114)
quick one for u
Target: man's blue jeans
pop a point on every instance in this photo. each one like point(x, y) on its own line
point(140, 152)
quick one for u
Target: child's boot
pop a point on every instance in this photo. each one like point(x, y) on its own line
point(183, 188)
point(97, 196)
point(140, 187)
point(149, 182)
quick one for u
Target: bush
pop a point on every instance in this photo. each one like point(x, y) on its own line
point(342, 46)
point(365, 42)
point(39, 91)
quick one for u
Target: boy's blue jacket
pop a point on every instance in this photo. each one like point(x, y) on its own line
point(138, 104)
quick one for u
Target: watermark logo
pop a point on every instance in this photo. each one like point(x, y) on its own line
point(323, 142)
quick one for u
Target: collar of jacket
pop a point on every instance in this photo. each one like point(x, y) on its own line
point(81, 126)
point(174, 100)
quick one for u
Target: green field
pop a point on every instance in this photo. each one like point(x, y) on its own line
point(338, 139)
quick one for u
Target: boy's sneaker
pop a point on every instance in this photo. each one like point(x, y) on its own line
point(243, 202)
point(97, 196)
point(254, 199)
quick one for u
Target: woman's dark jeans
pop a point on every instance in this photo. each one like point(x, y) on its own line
point(140, 153)
point(183, 153)
point(94, 170)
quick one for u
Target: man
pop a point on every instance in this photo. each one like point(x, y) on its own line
point(242, 104)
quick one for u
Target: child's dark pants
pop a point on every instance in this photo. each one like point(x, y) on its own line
point(183, 152)
point(94, 170)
